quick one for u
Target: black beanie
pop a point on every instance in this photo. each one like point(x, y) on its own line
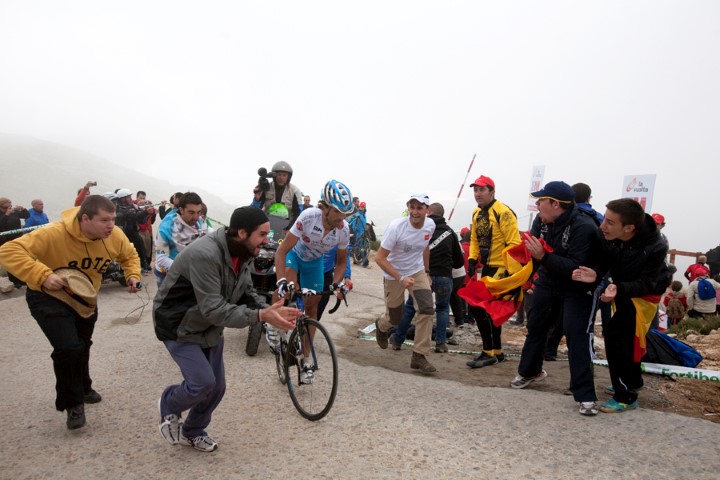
point(248, 218)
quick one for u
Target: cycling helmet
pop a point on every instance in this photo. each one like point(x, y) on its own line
point(338, 195)
point(122, 193)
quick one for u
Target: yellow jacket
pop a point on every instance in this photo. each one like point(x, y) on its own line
point(501, 232)
point(35, 255)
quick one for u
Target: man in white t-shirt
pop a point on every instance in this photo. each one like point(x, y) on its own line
point(404, 257)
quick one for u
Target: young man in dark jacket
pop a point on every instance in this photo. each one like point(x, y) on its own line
point(633, 252)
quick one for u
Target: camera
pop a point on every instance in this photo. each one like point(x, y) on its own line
point(263, 182)
point(94, 184)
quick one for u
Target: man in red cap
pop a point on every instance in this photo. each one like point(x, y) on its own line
point(660, 221)
point(698, 269)
point(494, 227)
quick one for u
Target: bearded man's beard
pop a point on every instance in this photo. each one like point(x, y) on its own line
point(240, 248)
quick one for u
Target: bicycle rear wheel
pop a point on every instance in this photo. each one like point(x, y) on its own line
point(360, 250)
point(255, 331)
point(281, 361)
point(313, 398)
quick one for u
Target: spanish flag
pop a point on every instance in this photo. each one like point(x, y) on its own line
point(645, 310)
point(501, 297)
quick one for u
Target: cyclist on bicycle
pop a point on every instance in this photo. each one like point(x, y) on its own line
point(299, 259)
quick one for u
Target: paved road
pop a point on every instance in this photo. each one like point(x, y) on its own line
point(383, 425)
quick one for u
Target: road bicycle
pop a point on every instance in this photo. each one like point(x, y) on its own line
point(361, 249)
point(306, 360)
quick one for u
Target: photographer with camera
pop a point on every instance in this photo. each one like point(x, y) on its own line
point(10, 220)
point(84, 192)
point(279, 190)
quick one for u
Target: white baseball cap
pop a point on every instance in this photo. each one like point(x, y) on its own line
point(420, 197)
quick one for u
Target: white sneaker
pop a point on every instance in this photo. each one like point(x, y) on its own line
point(588, 408)
point(169, 426)
point(522, 382)
point(272, 335)
point(308, 375)
point(202, 442)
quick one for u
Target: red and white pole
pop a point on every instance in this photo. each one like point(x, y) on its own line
point(461, 187)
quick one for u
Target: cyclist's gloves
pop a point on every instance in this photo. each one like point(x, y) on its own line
point(472, 265)
point(283, 287)
point(339, 286)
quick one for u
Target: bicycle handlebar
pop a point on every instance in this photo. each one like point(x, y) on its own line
point(307, 292)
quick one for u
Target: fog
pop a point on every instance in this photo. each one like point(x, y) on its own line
point(392, 98)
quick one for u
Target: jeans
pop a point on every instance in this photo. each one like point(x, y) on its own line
point(202, 388)
point(71, 337)
point(457, 304)
point(442, 288)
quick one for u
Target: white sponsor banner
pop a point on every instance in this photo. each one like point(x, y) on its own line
point(536, 183)
point(640, 188)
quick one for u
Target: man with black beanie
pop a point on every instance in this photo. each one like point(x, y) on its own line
point(207, 289)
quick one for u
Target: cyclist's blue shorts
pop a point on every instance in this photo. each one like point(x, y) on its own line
point(310, 274)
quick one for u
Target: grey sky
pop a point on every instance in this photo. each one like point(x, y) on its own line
point(392, 98)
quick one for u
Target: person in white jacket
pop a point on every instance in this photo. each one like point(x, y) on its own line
point(697, 307)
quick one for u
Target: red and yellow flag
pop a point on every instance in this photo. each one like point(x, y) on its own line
point(645, 310)
point(501, 297)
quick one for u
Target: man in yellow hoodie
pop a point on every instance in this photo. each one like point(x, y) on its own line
point(85, 239)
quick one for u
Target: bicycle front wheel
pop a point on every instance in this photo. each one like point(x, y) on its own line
point(312, 380)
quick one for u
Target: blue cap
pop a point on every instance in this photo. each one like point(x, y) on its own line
point(559, 191)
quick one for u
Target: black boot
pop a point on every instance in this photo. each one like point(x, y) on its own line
point(76, 416)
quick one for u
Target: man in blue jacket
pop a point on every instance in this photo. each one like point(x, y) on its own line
point(37, 216)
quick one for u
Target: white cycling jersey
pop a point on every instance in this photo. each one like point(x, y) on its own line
point(311, 243)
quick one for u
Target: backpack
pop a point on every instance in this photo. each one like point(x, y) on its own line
point(706, 291)
point(675, 309)
point(666, 350)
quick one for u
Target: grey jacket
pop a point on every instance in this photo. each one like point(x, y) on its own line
point(202, 294)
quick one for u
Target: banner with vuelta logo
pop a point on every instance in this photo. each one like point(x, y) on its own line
point(536, 183)
point(640, 188)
